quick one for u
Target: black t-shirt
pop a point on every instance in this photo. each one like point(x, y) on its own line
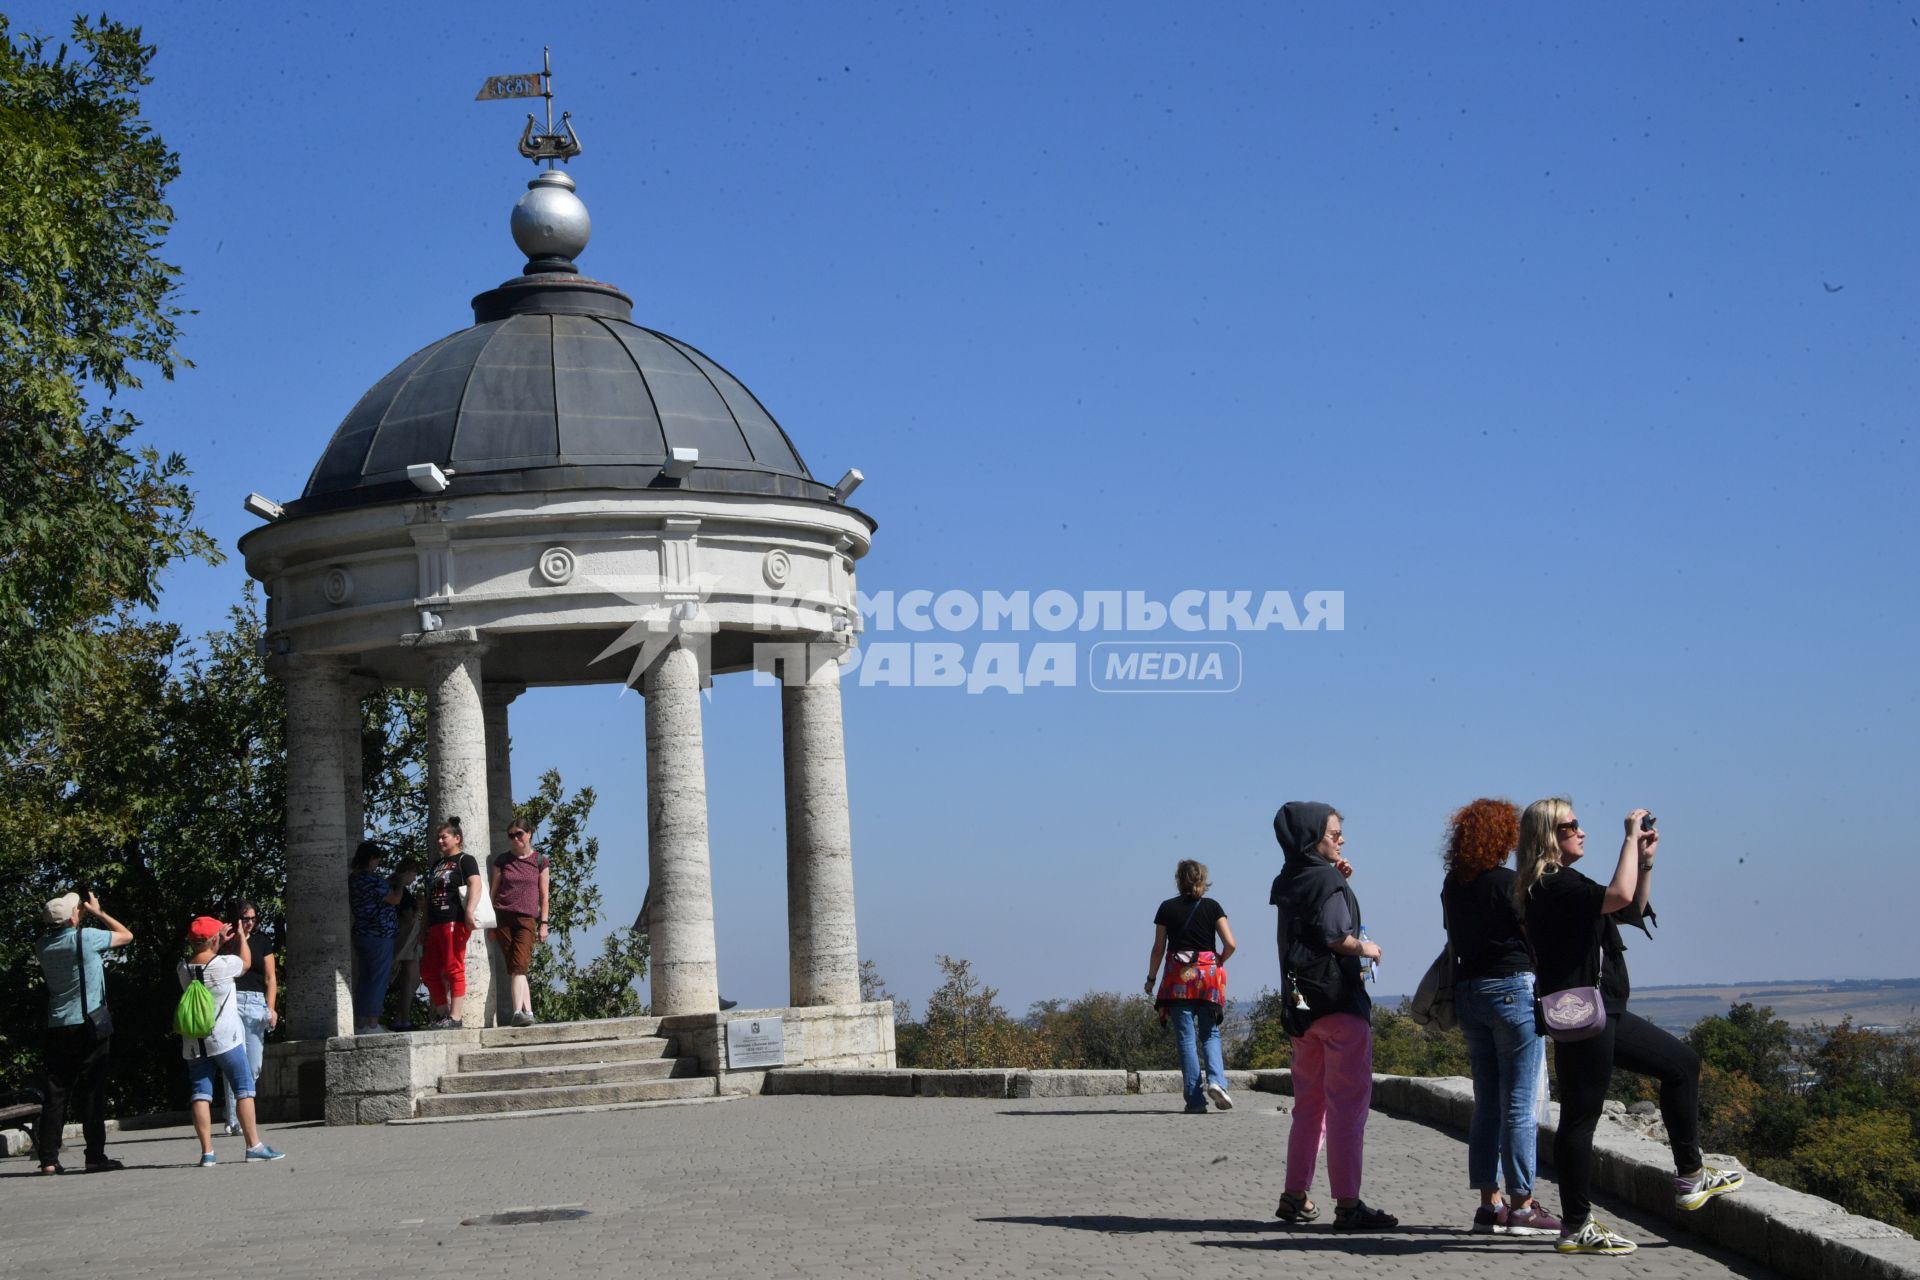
point(1190, 934)
point(259, 947)
point(1482, 927)
point(444, 883)
point(1569, 935)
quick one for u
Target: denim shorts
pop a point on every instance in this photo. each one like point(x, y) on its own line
point(232, 1064)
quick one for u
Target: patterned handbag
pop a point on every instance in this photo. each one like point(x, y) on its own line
point(1578, 1013)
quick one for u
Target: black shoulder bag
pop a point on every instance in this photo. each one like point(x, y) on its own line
point(100, 1020)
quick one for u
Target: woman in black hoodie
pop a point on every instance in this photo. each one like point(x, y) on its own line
point(1328, 1015)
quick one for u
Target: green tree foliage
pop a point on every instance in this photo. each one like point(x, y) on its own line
point(563, 989)
point(1865, 1161)
point(965, 1027)
point(87, 522)
point(160, 784)
point(874, 987)
point(1402, 1047)
point(1103, 1031)
point(393, 771)
point(1265, 1047)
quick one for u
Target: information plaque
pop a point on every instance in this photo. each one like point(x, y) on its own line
point(756, 1042)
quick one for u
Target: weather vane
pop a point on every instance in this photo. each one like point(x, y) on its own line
point(548, 146)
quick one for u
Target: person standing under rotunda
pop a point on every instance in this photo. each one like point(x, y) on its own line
point(372, 898)
point(453, 895)
point(522, 887)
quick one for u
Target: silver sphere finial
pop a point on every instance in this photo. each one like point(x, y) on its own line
point(550, 221)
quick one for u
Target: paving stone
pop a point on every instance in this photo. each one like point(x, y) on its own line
point(805, 1186)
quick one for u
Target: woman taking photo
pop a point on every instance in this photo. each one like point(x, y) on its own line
point(453, 895)
point(521, 888)
point(1193, 986)
point(1321, 950)
point(1574, 924)
point(1493, 1001)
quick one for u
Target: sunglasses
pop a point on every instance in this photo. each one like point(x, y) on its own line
point(517, 835)
point(1564, 827)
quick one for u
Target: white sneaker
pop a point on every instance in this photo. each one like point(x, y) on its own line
point(1594, 1238)
point(1691, 1193)
point(1218, 1092)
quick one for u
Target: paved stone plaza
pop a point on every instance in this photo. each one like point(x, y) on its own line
point(791, 1186)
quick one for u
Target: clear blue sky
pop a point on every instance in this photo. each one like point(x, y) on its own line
point(1577, 348)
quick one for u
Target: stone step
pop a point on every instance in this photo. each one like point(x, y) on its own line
point(562, 1077)
point(534, 1056)
point(593, 1095)
point(564, 1032)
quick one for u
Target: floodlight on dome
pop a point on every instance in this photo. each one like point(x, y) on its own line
point(264, 507)
point(848, 483)
point(427, 477)
point(680, 463)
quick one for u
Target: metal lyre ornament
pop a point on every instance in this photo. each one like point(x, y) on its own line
point(536, 145)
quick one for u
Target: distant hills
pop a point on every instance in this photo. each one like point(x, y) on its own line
point(1870, 1002)
point(1891, 1002)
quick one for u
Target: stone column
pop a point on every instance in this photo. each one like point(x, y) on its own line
point(357, 688)
point(494, 700)
point(457, 778)
point(684, 975)
point(823, 953)
point(319, 943)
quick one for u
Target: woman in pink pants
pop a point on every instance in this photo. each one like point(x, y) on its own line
point(1328, 1016)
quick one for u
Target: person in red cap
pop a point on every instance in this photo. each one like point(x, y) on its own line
point(224, 1049)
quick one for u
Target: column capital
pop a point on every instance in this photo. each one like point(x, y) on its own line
point(808, 662)
point(452, 642)
point(500, 695)
point(309, 666)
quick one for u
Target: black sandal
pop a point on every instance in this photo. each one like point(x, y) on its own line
point(1297, 1208)
point(1359, 1216)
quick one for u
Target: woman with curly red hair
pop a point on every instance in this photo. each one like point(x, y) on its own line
point(1493, 999)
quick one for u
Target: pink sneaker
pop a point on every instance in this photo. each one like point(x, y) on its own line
point(1530, 1221)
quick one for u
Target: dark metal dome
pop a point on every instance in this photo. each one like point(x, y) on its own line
point(555, 387)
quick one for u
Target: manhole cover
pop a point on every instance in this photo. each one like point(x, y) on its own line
point(524, 1217)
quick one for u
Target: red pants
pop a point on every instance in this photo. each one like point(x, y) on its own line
point(444, 969)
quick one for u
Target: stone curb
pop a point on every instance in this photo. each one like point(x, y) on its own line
point(1797, 1234)
point(985, 1083)
point(18, 1140)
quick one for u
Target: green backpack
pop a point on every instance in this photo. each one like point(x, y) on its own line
point(194, 1016)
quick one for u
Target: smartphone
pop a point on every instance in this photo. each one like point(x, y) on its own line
point(1646, 822)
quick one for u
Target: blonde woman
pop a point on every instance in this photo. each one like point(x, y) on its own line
point(1573, 924)
point(1193, 987)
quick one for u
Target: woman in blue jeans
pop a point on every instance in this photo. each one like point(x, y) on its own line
point(1493, 999)
point(1193, 987)
point(256, 993)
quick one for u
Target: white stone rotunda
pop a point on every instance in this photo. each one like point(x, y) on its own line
point(558, 496)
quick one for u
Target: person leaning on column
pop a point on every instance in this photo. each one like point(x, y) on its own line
point(78, 1050)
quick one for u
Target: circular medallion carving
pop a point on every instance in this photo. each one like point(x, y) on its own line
point(337, 585)
point(777, 567)
point(556, 565)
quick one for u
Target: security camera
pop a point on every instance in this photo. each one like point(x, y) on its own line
point(680, 463)
point(848, 483)
point(427, 478)
point(265, 508)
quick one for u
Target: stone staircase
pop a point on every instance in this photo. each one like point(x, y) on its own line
point(566, 1065)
